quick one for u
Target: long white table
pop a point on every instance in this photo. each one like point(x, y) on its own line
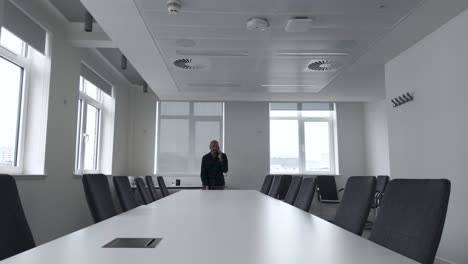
point(204, 227)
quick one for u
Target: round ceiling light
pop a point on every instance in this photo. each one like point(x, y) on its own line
point(257, 24)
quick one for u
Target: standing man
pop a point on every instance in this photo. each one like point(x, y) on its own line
point(214, 164)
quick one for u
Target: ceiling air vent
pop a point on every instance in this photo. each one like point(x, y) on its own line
point(323, 65)
point(189, 64)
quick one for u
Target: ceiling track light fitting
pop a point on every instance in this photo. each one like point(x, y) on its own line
point(123, 62)
point(145, 87)
point(88, 23)
point(174, 7)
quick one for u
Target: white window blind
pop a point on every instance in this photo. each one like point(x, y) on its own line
point(95, 79)
point(185, 130)
point(20, 24)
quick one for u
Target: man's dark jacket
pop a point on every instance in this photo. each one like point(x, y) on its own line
point(212, 170)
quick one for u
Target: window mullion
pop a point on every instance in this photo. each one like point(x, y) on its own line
point(83, 138)
point(301, 145)
point(191, 153)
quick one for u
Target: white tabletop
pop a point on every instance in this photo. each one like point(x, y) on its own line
point(204, 227)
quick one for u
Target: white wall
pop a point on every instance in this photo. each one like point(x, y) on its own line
point(142, 126)
point(376, 136)
point(428, 137)
point(247, 141)
point(351, 144)
point(54, 203)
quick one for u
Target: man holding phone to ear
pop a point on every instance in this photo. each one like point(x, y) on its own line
point(214, 164)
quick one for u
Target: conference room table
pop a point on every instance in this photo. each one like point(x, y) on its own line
point(213, 227)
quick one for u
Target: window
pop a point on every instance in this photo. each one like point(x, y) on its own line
point(302, 138)
point(13, 76)
point(89, 128)
point(184, 131)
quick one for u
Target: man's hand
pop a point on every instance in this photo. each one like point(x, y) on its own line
point(220, 155)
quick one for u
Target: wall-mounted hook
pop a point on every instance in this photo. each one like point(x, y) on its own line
point(402, 99)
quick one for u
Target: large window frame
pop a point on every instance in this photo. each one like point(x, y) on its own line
point(193, 119)
point(21, 60)
point(84, 102)
point(302, 119)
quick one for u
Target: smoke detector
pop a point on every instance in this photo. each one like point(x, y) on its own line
point(174, 7)
point(257, 24)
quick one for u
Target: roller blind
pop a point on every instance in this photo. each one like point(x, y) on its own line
point(95, 79)
point(302, 106)
point(24, 27)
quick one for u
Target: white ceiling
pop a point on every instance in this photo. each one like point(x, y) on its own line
point(251, 68)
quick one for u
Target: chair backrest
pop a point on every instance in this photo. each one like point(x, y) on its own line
point(382, 181)
point(293, 189)
point(266, 184)
point(151, 188)
point(306, 193)
point(98, 196)
point(284, 186)
point(356, 203)
point(144, 194)
point(275, 186)
point(124, 192)
point(327, 187)
point(412, 216)
point(162, 186)
point(16, 236)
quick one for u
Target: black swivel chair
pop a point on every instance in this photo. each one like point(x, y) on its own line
point(124, 192)
point(293, 190)
point(144, 194)
point(356, 203)
point(98, 196)
point(306, 193)
point(412, 216)
point(284, 186)
point(266, 184)
point(381, 185)
point(162, 186)
point(382, 181)
point(16, 236)
point(326, 188)
point(275, 186)
point(151, 188)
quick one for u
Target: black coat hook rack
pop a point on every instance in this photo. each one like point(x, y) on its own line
point(402, 99)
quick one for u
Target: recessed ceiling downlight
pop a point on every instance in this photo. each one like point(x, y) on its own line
point(257, 24)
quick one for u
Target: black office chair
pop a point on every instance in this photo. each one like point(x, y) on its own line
point(98, 196)
point(412, 216)
point(284, 186)
point(356, 203)
point(144, 194)
point(15, 236)
point(151, 188)
point(293, 190)
point(381, 185)
point(382, 181)
point(306, 193)
point(162, 186)
point(326, 189)
point(266, 184)
point(124, 192)
point(275, 186)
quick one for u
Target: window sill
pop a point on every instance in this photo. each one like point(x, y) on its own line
point(27, 177)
